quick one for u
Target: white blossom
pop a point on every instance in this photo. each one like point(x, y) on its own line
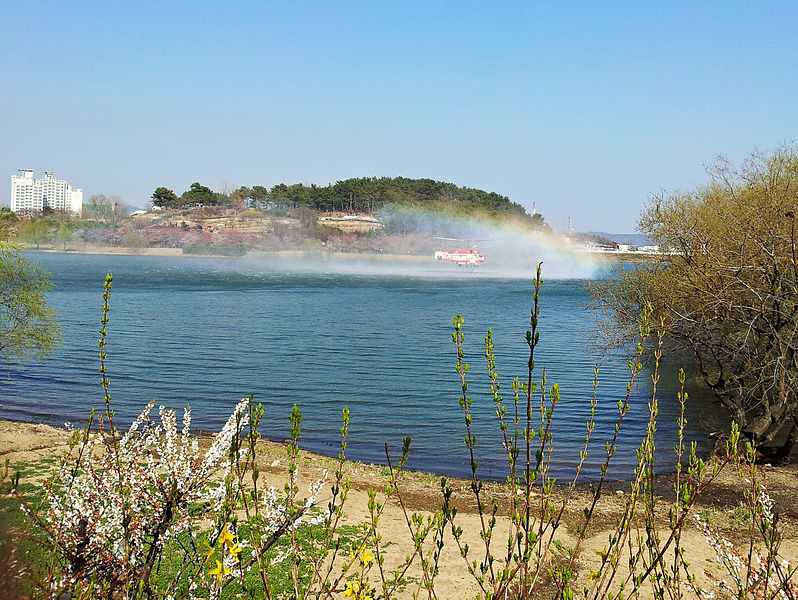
point(103, 508)
point(757, 580)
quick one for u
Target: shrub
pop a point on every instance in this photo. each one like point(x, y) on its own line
point(725, 284)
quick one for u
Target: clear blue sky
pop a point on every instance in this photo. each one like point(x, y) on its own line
point(586, 108)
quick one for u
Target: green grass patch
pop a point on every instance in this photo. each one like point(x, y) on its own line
point(183, 555)
point(23, 547)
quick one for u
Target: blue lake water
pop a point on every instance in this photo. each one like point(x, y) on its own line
point(207, 332)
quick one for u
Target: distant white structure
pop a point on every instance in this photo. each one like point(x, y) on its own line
point(33, 195)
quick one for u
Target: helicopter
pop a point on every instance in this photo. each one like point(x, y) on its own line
point(470, 257)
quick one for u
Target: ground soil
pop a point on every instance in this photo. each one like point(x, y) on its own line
point(720, 504)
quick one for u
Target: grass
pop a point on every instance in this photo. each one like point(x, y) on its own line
point(21, 550)
point(727, 517)
point(278, 575)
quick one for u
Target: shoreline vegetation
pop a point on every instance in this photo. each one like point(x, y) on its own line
point(366, 215)
point(21, 441)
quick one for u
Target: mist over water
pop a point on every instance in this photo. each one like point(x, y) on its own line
point(371, 335)
point(511, 253)
point(502, 262)
point(517, 254)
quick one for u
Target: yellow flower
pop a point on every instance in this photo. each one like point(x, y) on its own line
point(225, 537)
point(234, 550)
point(366, 558)
point(208, 552)
point(356, 591)
point(220, 571)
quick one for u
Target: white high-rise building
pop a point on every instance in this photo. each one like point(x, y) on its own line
point(33, 195)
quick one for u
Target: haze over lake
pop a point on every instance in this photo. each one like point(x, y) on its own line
point(207, 332)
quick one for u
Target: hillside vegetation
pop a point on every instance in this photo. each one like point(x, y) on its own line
point(363, 194)
point(391, 215)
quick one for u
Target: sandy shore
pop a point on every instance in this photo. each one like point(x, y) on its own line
point(25, 443)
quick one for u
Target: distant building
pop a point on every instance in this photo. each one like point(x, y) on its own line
point(33, 195)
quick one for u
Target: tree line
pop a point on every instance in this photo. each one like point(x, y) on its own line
point(363, 194)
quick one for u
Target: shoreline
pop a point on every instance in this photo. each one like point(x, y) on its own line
point(21, 442)
point(323, 255)
point(496, 477)
point(280, 254)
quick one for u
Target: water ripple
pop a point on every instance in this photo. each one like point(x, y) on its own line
point(207, 332)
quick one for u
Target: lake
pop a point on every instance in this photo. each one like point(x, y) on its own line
point(374, 337)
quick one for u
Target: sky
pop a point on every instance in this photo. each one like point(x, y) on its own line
point(586, 109)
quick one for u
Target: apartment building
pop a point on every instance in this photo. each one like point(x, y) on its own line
point(33, 195)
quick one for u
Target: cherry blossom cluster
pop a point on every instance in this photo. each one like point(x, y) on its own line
point(114, 503)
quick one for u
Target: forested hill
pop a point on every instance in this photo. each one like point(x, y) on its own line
point(364, 194)
point(371, 194)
